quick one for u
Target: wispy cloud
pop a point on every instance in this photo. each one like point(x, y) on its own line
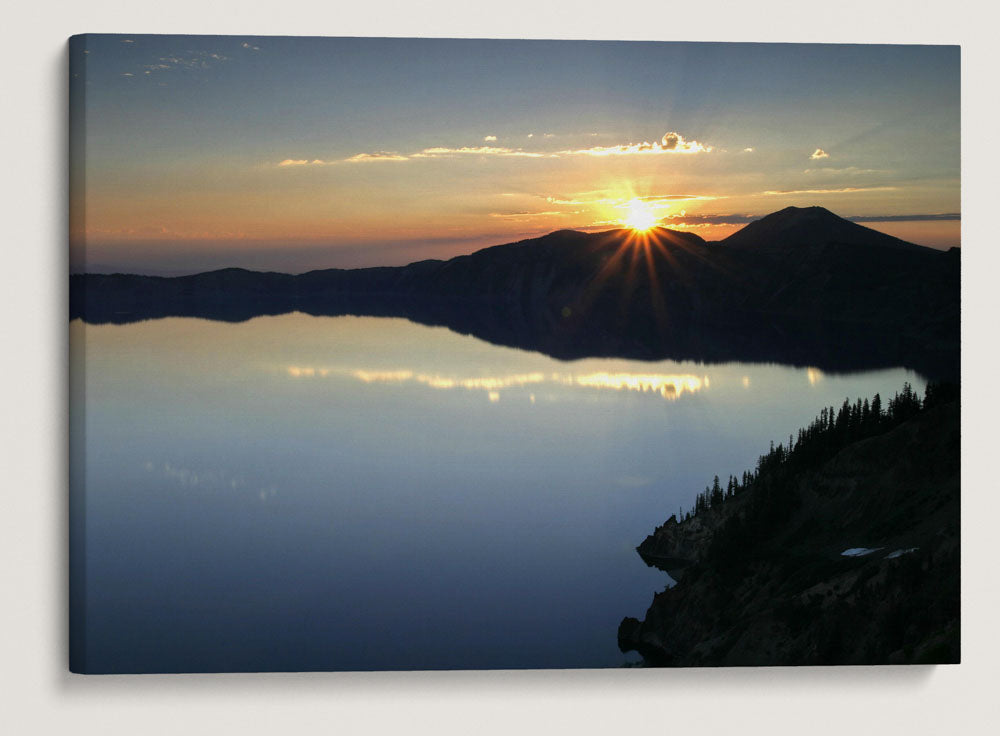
point(190, 61)
point(724, 219)
point(844, 190)
point(250, 47)
point(530, 215)
point(742, 219)
point(475, 150)
point(819, 153)
point(845, 172)
point(672, 197)
point(304, 162)
point(748, 149)
point(650, 198)
point(944, 216)
point(360, 158)
point(377, 156)
point(670, 143)
point(158, 232)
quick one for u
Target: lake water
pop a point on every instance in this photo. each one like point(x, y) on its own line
point(350, 493)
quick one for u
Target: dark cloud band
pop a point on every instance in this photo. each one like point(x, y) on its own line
point(744, 219)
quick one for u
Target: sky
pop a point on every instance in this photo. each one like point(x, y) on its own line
point(189, 153)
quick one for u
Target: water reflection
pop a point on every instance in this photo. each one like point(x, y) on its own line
point(207, 480)
point(362, 493)
point(486, 383)
point(668, 386)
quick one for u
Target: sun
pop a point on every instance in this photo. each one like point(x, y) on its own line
point(640, 216)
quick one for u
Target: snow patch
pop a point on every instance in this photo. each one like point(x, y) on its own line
point(859, 551)
point(900, 553)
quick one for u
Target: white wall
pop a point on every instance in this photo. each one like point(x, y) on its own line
point(37, 695)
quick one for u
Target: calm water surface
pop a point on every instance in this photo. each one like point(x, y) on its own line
point(303, 493)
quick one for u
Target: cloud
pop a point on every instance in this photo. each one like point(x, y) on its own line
point(377, 156)
point(846, 171)
point(249, 46)
point(944, 216)
point(358, 158)
point(742, 219)
point(670, 143)
point(617, 201)
point(672, 197)
point(845, 190)
point(730, 219)
point(304, 162)
point(191, 61)
point(748, 149)
point(819, 153)
point(530, 215)
point(558, 200)
point(475, 150)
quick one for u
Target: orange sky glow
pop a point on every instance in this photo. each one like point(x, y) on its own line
point(269, 155)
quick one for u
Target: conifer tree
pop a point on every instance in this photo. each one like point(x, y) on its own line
point(716, 497)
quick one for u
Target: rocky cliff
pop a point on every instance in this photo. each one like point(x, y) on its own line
point(860, 565)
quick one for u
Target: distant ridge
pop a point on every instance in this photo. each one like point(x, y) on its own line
point(800, 286)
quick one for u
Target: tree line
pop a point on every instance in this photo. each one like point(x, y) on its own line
point(831, 430)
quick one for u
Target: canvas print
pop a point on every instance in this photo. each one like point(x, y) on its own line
point(415, 354)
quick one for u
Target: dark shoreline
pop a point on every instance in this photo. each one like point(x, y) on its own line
point(801, 287)
point(834, 346)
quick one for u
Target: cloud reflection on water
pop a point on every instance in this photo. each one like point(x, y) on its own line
point(669, 386)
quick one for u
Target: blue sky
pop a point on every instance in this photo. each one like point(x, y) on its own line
point(194, 152)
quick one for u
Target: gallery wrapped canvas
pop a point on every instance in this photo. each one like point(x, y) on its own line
point(396, 354)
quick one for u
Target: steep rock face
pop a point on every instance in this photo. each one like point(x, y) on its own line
point(794, 597)
point(674, 547)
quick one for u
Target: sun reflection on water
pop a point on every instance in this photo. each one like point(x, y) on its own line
point(667, 385)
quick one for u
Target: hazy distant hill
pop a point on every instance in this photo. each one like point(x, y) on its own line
point(800, 286)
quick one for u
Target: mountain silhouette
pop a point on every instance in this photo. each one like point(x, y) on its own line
point(800, 286)
point(798, 227)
